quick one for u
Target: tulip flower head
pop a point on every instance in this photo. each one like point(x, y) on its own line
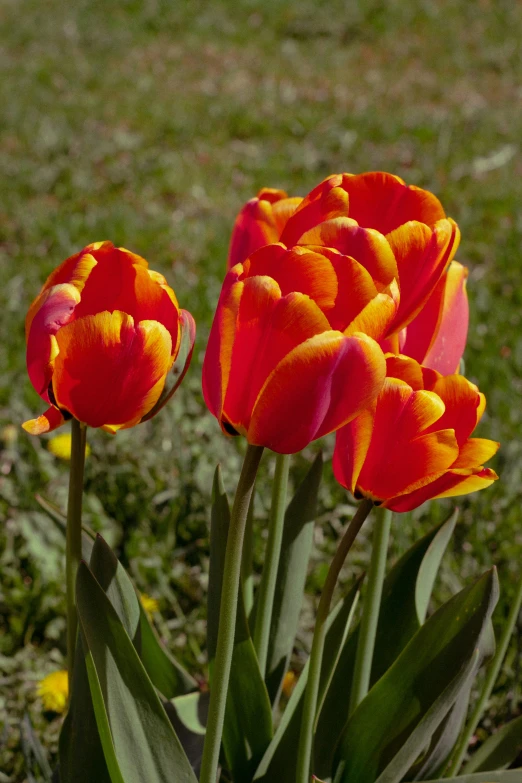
point(102, 336)
point(292, 353)
point(414, 443)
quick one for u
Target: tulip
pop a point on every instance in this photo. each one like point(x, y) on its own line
point(414, 443)
point(364, 216)
point(292, 353)
point(102, 336)
point(436, 338)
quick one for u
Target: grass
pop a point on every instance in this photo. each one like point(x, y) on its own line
point(150, 123)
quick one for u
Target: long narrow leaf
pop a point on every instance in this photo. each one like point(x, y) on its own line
point(291, 577)
point(138, 739)
point(398, 717)
point(398, 622)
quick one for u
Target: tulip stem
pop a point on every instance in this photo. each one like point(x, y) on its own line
point(371, 608)
point(73, 545)
point(227, 616)
point(304, 756)
point(491, 677)
point(268, 582)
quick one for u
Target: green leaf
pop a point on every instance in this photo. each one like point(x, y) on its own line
point(138, 739)
point(398, 622)
point(80, 750)
point(169, 677)
point(291, 576)
point(398, 717)
point(248, 717)
point(499, 750)
point(32, 750)
point(280, 759)
point(507, 776)
point(430, 566)
point(165, 672)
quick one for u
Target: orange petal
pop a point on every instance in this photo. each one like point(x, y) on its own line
point(351, 447)
point(318, 387)
point(408, 466)
point(461, 399)
point(475, 451)
point(325, 202)
point(366, 245)
point(56, 307)
point(109, 371)
point(267, 330)
point(376, 317)
point(383, 201)
point(218, 356)
point(260, 222)
point(47, 422)
point(299, 269)
point(122, 281)
point(437, 336)
point(450, 484)
point(422, 256)
point(405, 369)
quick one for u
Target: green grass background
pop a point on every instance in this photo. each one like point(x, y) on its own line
point(150, 123)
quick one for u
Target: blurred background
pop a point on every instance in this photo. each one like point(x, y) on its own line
point(150, 123)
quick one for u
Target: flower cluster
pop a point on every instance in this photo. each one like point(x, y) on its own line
point(319, 291)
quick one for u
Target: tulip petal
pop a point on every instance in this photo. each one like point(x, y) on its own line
point(369, 247)
point(56, 307)
point(351, 447)
point(376, 317)
point(109, 372)
point(422, 256)
point(260, 222)
point(299, 269)
point(181, 364)
point(122, 281)
point(451, 484)
point(268, 328)
point(218, 356)
point(475, 451)
point(325, 202)
point(437, 335)
point(410, 465)
point(47, 422)
point(461, 399)
point(383, 201)
point(318, 387)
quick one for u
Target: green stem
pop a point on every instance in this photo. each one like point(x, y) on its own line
point(227, 616)
point(268, 582)
point(491, 677)
point(370, 609)
point(73, 545)
point(247, 560)
point(304, 755)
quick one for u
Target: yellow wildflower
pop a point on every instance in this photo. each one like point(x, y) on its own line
point(150, 605)
point(289, 682)
point(54, 691)
point(60, 446)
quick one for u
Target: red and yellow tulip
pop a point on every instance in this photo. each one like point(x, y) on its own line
point(292, 353)
point(414, 443)
point(102, 336)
